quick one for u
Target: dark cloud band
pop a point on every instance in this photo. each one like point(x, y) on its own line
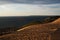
point(32, 1)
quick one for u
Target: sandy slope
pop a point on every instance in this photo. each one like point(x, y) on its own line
point(56, 21)
point(33, 32)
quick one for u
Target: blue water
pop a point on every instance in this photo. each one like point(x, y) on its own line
point(19, 21)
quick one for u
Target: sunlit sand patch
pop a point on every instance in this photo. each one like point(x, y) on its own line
point(22, 29)
point(56, 21)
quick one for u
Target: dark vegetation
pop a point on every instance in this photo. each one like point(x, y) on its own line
point(11, 24)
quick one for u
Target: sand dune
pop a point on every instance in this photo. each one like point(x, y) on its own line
point(34, 32)
point(47, 25)
point(56, 21)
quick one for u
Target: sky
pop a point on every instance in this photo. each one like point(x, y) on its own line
point(29, 7)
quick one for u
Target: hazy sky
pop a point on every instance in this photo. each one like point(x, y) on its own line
point(29, 7)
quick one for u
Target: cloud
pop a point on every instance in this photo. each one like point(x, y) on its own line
point(29, 9)
point(38, 1)
point(30, 1)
